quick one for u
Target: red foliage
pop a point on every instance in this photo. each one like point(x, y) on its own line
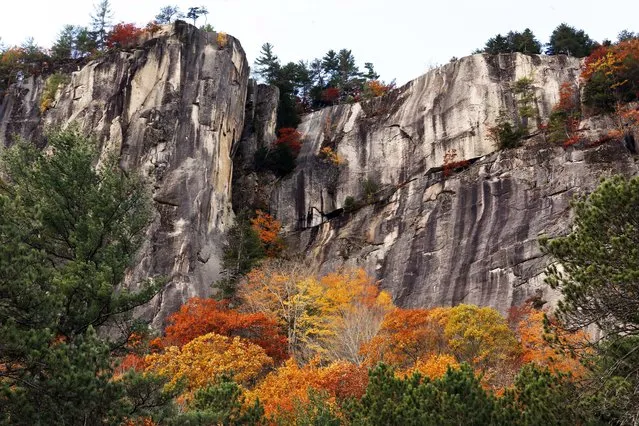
point(130, 361)
point(123, 35)
point(291, 137)
point(330, 95)
point(566, 99)
point(450, 165)
point(202, 316)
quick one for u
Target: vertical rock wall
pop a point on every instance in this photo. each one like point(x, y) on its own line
point(173, 108)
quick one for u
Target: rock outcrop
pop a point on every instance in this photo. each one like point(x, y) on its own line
point(431, 239)
point(173, 108)
point(179, 109)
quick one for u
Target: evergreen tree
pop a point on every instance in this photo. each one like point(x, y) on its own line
point(599, 282)
point(524, 42)
point(267, 65)
point(570, 41)
point(167, 14)
point(221, 403)
point(101, 22)
point(68, 230)
point(65, 45)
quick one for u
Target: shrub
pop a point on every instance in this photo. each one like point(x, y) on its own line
point(505, 134)
point(350, 204)
point(370, 187)
point(222, 40)
point(279, 160)
point(50, 89)
point(123, 35)
point(564, 117)
point(327, 154)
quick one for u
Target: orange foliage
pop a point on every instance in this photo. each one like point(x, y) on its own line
point(279, 391)
point(611, 60)
point(268, 230)
point(529, 328)
point(434, 366)
point(313, 312)
point(198, 317)
point(377, 88)
point(130, 362)
point(145, 421)
point(330, 95)
point(406, 336)
point(290, 137)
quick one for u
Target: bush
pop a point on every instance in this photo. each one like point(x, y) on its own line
point(50, 89)
point(370, 187)
point(278, 159)
point(350, 204)
point(505, 134)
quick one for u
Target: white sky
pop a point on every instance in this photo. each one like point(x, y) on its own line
point(401, 37)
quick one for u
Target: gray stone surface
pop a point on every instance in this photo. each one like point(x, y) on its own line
point(173, 108)
point(469, 238)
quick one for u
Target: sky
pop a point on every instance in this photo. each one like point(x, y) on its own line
point(402, 38)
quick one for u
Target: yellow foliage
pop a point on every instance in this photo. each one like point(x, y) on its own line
point(222, 40)
point(331, 156)
point(433, 366)
point(312, 311)
point(200, 361)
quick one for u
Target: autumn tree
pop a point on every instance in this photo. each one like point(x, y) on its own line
point(201, 361)
point(198, 317)
point(123, 35)
point(268, 231)
point(292, 384)
point(314, 312)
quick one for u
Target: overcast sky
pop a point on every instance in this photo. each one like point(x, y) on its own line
point(401, 37)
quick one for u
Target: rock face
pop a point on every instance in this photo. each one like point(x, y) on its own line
point(180, 110)
point(432, 240)
point(173, 108)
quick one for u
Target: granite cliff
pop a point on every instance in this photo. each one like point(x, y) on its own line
point(180, 109)
point(173, 108)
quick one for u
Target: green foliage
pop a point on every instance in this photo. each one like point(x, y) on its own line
point(505, 134)
point(524, 42)
point(242, 252)
point(525, 93)
point(454, 399)
point(278, 159)
point(51, 88)
point(315, 412)
point(370, 187)
point(458, 398)
point(221, 403)
point(599, 282)
point(69, 230)
point(100, 23)
point(349, 204)
point(167, 14)
point(570, 41)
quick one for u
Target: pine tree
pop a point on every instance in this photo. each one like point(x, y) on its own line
point(570, 41)
point(101, 22)
point(267, 65)
point(69, 230)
